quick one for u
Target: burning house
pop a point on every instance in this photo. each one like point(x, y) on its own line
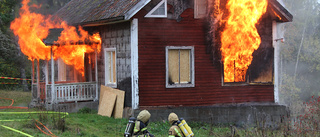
point(195, 57)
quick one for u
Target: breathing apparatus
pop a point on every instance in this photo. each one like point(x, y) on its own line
point(185, 128)
point(129, 129)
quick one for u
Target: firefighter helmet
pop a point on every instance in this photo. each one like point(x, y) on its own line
point(172, 117)
point(144, 116)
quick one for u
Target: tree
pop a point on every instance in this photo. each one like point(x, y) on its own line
point(300, 53)
point(12, 62)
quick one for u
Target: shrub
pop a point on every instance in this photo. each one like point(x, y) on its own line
point(308, 123)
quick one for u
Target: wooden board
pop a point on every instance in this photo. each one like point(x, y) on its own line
point(106, 103)
point(118, 108)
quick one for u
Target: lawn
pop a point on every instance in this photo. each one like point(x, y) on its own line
point(86, 122)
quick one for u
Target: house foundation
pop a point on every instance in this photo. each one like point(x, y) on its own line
point(241, 115)
point(73, 106)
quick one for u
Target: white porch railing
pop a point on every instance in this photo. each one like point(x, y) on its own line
point(72, 92)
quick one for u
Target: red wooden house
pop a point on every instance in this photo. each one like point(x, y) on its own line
point(165, 53)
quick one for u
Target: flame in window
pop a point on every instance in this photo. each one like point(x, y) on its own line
point(240, 38)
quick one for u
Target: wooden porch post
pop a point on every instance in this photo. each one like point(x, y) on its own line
point(38, 79)
point(96, 73)
point(32, 78)
point(53, 95)
point(47, 79)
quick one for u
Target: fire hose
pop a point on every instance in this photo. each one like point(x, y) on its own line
point(49, 133)
point(10, 106)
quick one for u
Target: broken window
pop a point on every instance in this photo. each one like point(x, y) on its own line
point(110, 67)
point(179, 66)
point(159, 11)
point(260, 71)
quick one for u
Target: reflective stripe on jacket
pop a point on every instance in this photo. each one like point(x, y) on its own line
point(175, 131)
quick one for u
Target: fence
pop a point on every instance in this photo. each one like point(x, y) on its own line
point(67, 92)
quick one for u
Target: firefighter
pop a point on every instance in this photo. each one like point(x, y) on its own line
point(140, 128)
point(174, 130)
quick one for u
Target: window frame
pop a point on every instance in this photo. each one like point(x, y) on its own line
point(106, 65)
point(247, 80)
point(149, 14)
point(192, 70)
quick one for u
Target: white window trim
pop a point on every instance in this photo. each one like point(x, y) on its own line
point(192, 67)
point(106, 65)
point(149, 15)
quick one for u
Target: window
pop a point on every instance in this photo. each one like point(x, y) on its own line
point(259, 72)
point(110, 67)
point(159, 11)
point(179, 66)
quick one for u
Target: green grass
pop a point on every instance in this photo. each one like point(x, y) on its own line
point(84, 123)
point(91, 125)
point(20, 98)
point(88, 123)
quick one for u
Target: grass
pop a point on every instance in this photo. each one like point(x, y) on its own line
point(20, 98)
point(84, 123)
point(88, 123)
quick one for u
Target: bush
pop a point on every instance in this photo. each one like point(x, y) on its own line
point(308, 123)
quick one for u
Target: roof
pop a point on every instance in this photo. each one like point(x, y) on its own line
point(54, 34)
point(95, 12)
point(99, 12)
point(284, 14)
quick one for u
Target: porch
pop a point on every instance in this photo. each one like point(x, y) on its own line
point(59, 83)
point(66, 92)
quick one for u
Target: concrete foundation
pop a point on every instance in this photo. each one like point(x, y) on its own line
point(268, 115)
point(73, 106)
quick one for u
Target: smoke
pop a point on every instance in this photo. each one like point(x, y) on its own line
point(48, 7)
point(299, 68)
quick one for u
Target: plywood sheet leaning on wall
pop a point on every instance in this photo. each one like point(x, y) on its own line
point(119, 103)
point(106, 103)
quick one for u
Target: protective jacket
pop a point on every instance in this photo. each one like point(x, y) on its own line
point(174, 130)
point(140, 128)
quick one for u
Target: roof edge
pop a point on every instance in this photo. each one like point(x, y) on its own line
point(280, 9)
point(101, 22)
point(136, 9)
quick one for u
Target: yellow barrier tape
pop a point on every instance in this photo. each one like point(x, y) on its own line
point(14, 78)
point(33, 112)
point(16, 131)
point(14, 120)
point(8, 83)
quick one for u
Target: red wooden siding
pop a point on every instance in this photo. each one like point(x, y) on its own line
point(154, 35)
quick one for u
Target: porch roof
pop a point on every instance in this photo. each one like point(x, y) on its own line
point(97, 12)
point(54, 35)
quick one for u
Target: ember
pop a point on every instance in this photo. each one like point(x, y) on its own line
point(240, 37)
point(32, 28)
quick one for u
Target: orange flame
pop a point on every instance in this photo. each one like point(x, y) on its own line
point(276, 14)
point(240, 37)
point(32, 28)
